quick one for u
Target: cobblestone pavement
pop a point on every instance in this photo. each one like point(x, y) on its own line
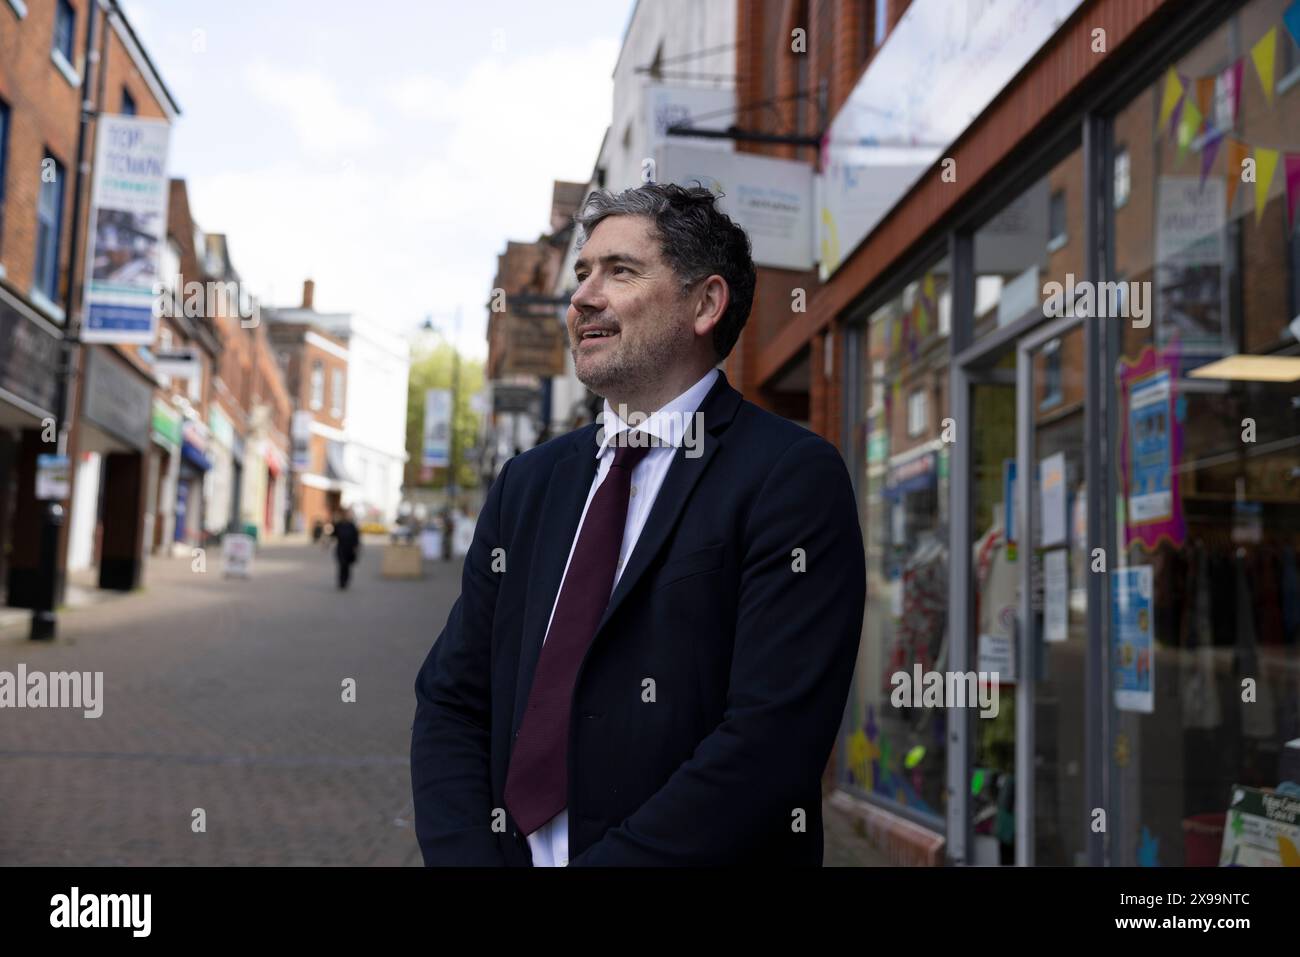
point(226, 695)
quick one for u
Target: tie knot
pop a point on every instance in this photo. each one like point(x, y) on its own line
point(627, 456)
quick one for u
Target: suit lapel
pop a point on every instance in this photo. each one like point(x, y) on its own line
point(719, 406)
point(566, 494)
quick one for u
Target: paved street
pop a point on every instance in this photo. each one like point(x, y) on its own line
point(225, 695)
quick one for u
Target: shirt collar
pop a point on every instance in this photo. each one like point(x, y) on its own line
point(667, 424)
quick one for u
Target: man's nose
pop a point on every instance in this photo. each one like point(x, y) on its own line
point(588, 297)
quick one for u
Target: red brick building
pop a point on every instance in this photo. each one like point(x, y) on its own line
point(315, 367)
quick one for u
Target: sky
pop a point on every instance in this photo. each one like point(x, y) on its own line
point(387, 149)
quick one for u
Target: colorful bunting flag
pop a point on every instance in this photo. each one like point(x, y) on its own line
point(1210, 150)
point(1188, 126)
point(1205, 96)
point(1265, 167)
point(1264, 54)
point(1172, 97)
point(1238, 153)
point(1227, 95)
point(1292, 180)
point(1292, 20)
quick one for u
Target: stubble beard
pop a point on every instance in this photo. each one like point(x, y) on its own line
point(634, 367)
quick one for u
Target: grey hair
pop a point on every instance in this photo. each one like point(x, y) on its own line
point(696, 239)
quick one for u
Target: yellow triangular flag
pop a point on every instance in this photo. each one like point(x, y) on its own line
point(1189, 124)
point(1265, 166)
point(1264, 53)
point(1173, 93)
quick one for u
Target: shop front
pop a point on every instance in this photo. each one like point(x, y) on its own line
point(164, 474)
point(1074, 423)
point(194, 465)
point(110, 493)
point(29, 358)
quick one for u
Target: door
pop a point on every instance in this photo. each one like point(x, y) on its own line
point(1051, 759)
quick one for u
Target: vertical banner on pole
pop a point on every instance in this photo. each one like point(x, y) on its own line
point(437, 428)
point(127, 229)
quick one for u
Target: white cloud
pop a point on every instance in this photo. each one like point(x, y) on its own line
point(323, 122)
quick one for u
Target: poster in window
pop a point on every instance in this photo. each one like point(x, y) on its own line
point(1134, 651)
point(1151, 449)
point(1190, 257)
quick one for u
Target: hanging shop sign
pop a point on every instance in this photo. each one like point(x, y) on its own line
point(127, 229)
point(166, 424)
point(53, 478)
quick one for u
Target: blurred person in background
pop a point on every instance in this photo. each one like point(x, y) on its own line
point(347, 544)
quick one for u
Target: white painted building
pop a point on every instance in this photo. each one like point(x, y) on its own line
point(374, 432)
point(677, 56)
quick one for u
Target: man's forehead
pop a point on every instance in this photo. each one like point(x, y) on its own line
point(633, 235)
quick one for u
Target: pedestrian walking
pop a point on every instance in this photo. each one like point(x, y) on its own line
point(347, 545)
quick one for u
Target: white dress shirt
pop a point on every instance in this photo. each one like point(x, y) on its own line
point(550, 842)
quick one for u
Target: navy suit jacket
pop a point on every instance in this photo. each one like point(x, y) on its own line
point(742, 600)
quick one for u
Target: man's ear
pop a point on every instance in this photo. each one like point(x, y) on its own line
point(714, 296)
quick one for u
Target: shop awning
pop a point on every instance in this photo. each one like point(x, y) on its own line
point(192, 454)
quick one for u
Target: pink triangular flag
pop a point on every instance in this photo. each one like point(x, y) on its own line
point(1292, 186)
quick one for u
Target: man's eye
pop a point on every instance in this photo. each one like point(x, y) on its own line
point(618, 269)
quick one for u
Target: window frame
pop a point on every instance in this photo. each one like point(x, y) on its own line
point(54, 245)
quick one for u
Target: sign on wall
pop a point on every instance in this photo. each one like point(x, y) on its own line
point(772, 199)
point(941, 66)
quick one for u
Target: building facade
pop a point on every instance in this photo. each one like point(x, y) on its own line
point(365, 467)
point(315, 367)
point(113, 461)
point(1058, 355)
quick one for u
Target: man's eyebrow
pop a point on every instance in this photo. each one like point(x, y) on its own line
point(610, 258)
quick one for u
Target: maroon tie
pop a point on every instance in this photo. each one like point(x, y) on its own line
point(537, 779)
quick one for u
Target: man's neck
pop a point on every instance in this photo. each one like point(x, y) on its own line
point(648, 403)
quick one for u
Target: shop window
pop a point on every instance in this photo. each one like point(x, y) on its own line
point(317, 385)
point(1014, 266)
point(898, 754)
point(4, 155)
point(1207, 590)
point(1056, 234)
point(65, 25)
point(1051, 375)
point(336, 393)
point(1122, 177)
point(49, 228)
point(916, 413)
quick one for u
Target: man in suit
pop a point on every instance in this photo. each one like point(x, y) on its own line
point(660, 612)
